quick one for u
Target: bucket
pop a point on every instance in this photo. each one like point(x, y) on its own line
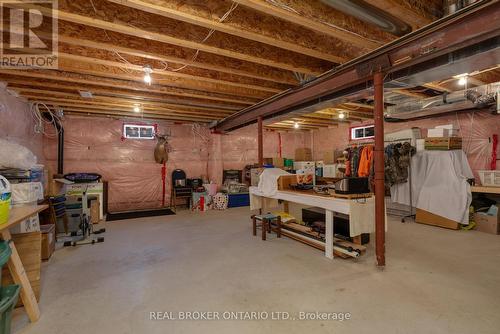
point(5, 199)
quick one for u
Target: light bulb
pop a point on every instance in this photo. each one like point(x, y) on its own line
point(137, 109)
point(296, 125)
point(147, 74)
point(462, 81)
point(341, 115)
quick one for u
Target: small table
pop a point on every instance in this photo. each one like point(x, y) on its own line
point(17, 215)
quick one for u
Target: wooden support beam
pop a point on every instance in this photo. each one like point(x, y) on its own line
point(109, 16)
point(252, 25)
point(321, 18)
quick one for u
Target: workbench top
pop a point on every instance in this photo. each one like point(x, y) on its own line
point(18, 213)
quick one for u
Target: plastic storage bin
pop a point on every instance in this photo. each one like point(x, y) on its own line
point(5, 253)
point(237, 200)
point(8, 300)
point(5, 200)
point(489, 178)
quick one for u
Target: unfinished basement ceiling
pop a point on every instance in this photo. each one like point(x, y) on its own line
point(210, 59)
point(362, 110)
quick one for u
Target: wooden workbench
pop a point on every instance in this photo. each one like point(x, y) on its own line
point(17, 215)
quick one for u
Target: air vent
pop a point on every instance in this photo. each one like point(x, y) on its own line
point(85, 94)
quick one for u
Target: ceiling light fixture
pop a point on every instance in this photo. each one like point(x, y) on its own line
point(341, 115)
point(296, 125)
point(137, 109)
point(462, 81)
point(147, 74)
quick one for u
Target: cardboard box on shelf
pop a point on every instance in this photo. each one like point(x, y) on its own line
point(443, 144)
point(303, 154)
point(48, 241)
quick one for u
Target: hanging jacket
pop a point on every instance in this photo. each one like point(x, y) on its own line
point(365, 161)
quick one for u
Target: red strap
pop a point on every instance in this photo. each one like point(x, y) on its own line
point(494, 153)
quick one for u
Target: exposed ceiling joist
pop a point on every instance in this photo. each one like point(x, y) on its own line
point(110, 16)
point(139, 96)
point(319, 17)
point(44, 94)
point(178, 59)
point(248, 24)
point(109, 82)
point(175, 76)
point(415, 13)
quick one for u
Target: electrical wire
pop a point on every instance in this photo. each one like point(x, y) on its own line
point(41, 121)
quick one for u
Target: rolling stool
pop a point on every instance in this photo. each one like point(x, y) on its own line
point(268, 224)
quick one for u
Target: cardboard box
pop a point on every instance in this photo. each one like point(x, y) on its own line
point(443, 144)
point(48, 241)
point(94, 211)
point(329, 157)
point(31, 224)
point(486, 223)
point(276, 162)
point(428, 218)
point(303, 154)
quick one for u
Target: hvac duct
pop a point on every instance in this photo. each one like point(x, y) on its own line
point(371, 14)
point(476, 98)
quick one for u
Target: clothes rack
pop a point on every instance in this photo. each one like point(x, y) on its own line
point(394, 210)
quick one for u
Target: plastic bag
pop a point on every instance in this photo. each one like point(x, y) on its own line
point(13, 155)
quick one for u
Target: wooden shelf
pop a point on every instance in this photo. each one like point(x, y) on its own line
point(486, 190)
point(22, 212)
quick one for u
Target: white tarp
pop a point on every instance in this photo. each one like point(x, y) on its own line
point(439, 184)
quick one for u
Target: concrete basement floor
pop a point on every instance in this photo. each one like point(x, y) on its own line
point(436, 281)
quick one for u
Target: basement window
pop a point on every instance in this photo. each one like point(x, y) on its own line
point(139, 131)
point(362, 132)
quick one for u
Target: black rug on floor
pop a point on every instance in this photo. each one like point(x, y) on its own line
point(138, 214)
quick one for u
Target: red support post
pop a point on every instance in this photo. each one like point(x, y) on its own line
point(378, 81)
point(260, 140)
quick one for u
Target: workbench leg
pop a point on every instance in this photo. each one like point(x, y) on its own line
point(329, 234)
point(19, 276)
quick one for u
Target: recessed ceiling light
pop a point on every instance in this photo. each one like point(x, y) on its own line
point(147, 74)
point(137, 109)
point(341, 115)
point(296, 125)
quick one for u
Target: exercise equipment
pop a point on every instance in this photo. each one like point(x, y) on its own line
point(86, 227)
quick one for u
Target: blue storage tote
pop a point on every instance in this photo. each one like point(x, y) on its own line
point(237, 200)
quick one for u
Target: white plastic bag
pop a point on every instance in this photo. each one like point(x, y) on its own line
point(13, 155)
